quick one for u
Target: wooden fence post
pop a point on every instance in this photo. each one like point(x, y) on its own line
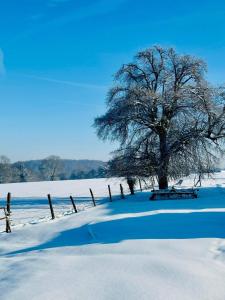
point(121, 191)
point(140, 184)
point(51, 207)
point(73, 203)
point(8, 203)
point(7, 222)
point(110, 195)
point(93, 198)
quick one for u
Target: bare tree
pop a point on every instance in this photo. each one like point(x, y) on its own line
point(5, 169)
point(51, 167)
point(167, 118)
point(21, 173)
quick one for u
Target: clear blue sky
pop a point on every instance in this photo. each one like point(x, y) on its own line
point(57, 59)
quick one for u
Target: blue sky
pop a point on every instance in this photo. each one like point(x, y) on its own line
point(57, 59)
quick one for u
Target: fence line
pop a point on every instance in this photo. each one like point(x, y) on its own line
point(7, 209)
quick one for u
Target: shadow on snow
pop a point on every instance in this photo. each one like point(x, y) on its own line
point(159, 225)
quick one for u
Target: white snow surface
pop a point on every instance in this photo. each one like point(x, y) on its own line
point(131, 248)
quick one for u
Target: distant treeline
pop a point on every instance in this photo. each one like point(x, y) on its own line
point(50, 168)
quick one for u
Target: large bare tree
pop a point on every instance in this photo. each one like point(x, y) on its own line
point(51, 167)
point(168, 119)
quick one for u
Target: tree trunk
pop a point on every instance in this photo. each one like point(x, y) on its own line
point(163, 182)
point(164, 162)
point(131, 183)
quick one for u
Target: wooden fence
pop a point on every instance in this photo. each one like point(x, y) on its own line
point(7, 209)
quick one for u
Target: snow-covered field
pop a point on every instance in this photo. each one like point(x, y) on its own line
point(128, 249)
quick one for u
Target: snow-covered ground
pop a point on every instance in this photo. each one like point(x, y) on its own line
point(128, 249)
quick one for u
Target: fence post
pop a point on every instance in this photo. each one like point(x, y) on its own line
point(8, 203)
point(73, 203)
point(121, 191)
point(110, 195)
point(140, 184)
point(7, 222)
point(93, 198)
point(51, 207)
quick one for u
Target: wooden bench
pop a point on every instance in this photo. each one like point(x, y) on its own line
point(173, 193)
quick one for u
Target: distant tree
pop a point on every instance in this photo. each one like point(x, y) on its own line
point(168, 120)
point(91, 174)
point(21, 173)
point(78, 175)
point(101, 172)
point(73, 175)
point(51, 167)
point(62, 176)
point(5, 169)
point(81, 175)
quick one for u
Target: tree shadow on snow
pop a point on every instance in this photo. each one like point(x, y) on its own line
point(157, 226)
point(210, 197)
